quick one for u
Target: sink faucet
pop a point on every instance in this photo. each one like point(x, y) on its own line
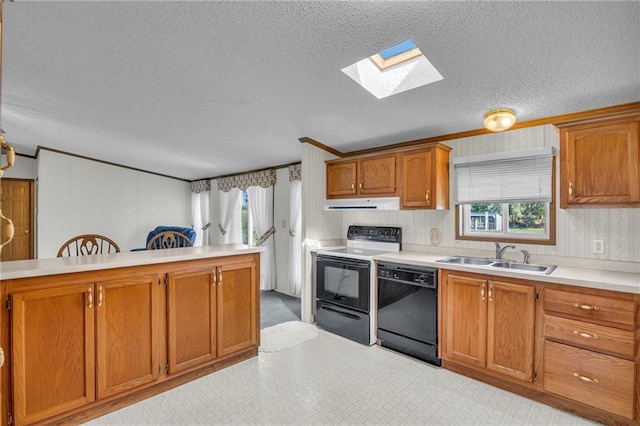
point(526, 256)
point(500, 251)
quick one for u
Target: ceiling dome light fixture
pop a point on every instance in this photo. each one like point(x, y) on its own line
point(499, 120)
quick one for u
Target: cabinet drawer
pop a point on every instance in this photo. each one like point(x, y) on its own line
point(591, 307)
point(598, 337)
point(602, 381)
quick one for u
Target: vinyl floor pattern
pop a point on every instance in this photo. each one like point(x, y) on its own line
point(330, 380)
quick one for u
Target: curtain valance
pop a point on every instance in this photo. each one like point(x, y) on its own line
point(295, 172)
point(262, 178)
point(199, 186)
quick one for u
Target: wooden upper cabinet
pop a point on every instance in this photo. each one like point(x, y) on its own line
point(341, 179)
point(53, 351)
point(126, 333)
point(599, 164)
point(364, 177)
point(489, 325)
point(420, 177)
point(425, 178)
point(378, 175)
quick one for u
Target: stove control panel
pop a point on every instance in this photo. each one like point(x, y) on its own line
point(387, 234)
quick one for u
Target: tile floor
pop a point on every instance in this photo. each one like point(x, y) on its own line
point(330, 380)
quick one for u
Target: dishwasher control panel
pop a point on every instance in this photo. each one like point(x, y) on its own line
point(408, 274)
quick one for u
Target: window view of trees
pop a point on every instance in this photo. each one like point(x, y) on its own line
point(522, 218)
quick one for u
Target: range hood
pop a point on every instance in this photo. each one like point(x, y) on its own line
point(382, 203)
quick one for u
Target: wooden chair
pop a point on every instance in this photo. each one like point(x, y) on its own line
point(88, 244)
point(169, 239)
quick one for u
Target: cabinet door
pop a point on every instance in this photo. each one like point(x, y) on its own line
point(416, 180)
point(341, 179)
point(600, 165)
point(191, 311)
point(52, 334)
point(378, 176)
point(126, 333)
point(237, 307)
point(510, 329)
point(466, 330)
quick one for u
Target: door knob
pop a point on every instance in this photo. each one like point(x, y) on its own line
point(26, 231)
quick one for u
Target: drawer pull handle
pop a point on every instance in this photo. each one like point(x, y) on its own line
point(90, 297)
point(361, 190)
point(585, 378)
point(482, 292)
point(427, 197)
point(353, 187)
point(99, 296)
point(570, 191)
point(585, 334)
point(490, 292)
point(586, 307)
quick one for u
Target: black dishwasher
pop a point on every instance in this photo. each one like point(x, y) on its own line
point(408, 310)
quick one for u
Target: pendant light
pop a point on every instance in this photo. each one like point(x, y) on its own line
point(499, 120)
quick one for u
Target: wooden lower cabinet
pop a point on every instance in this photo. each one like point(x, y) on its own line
point(571, 347)
point(89, 342)
point(126, 333)
point(489, 325)
point(191, 322)
point(53, 347)
point(237, 307)
point(598, 380)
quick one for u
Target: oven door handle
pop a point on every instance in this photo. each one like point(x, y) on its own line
point(342, 261)
point(335, 311)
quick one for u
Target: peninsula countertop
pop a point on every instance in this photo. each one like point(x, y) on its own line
point(63, 265)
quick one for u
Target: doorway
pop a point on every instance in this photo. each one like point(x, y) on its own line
point(16, 203)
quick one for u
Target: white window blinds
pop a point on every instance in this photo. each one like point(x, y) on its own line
point(515, 176)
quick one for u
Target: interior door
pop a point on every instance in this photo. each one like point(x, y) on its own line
point(16, 203)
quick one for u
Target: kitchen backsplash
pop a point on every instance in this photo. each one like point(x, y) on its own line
point(575, 228)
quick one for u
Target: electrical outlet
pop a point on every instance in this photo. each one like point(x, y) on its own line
point(598, 246)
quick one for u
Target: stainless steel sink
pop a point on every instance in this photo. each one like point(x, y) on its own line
point(494, 263)
point(545, 269)
point(465, 260)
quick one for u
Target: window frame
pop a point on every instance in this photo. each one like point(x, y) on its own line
point(514, 237)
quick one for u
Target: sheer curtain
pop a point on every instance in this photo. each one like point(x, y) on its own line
point(200, 221)
point(295, 242)
point(260, 202)
point(230, 226)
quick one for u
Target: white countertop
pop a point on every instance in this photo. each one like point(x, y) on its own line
point(628, 282)
point(64, 265)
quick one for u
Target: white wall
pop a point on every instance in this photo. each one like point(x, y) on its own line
point(77, 196)
point(24, 168)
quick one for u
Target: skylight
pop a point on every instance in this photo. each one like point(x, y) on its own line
point(393, 70)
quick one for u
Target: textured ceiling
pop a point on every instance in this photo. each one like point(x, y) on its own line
point(201, 89)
